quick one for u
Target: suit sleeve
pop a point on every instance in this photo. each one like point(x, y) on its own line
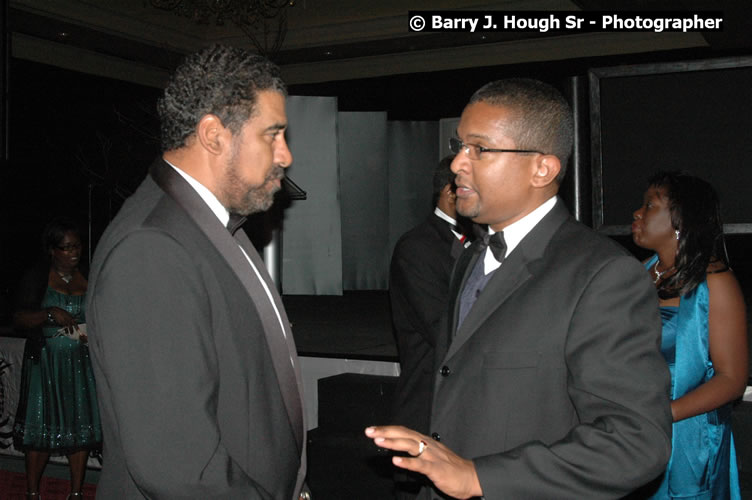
point(418, 285)
point(618, 383)
point(153, 337)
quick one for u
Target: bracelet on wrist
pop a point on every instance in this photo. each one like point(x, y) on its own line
point(50, 318)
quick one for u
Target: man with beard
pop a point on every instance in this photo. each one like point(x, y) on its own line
point(197, 373)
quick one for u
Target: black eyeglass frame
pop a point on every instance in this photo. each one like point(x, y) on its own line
point(456, 145)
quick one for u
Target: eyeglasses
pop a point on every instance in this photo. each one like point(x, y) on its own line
point(473, 151)
point(70, 247)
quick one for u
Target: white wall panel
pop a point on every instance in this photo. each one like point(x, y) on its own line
point(413, 157)
point(365, 199)
point(311, 237)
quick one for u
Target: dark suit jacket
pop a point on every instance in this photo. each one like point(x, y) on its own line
point(198, 396)
point(419, 275)
point(554, 384)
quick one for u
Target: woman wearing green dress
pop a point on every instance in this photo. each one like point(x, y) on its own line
point(57, 411)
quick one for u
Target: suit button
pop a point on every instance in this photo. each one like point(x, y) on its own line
point(445, 371)
point(436, 436)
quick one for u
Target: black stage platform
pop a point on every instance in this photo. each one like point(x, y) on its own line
point(356, 324)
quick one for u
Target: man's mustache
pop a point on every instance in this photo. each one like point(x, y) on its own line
point(277, 173)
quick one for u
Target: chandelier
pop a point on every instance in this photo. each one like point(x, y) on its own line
point(264, 22)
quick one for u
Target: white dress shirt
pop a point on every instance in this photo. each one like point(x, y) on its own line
point(514, 233)
point(224, 216)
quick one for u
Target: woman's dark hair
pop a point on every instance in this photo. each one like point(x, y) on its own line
point(696, 214)
point(54, 232)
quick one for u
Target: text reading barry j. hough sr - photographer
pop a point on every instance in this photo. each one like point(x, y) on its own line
point(479, 21)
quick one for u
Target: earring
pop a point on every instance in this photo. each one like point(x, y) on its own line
point(677, 234)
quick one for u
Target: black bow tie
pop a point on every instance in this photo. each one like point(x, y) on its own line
point(236, 222)
point(495, 241)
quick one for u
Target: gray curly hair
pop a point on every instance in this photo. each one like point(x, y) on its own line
point(219, 80)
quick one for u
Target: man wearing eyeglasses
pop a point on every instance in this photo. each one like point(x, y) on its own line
point(549, 381)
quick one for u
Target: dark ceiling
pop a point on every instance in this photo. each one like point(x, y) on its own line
point(115, 35)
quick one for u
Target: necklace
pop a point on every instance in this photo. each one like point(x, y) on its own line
point(65, 277)
point(659, 274)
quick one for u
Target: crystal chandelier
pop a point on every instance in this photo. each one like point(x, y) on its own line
point(264, 22)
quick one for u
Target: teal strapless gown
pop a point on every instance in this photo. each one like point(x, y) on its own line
point(57, 410)
point(703, 460)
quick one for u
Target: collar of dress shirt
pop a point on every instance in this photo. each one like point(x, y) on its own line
point(515, 232)
point(224, 216)
point(442, 215)
point(219, 210)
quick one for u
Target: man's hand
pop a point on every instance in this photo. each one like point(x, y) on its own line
point(449, 472)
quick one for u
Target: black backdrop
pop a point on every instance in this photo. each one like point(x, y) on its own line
point(75, 140)
point(693, 117)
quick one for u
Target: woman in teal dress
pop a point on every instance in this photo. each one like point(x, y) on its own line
point(704, 336)
point(57, 412)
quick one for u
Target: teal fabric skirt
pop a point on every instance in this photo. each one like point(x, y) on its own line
point(57, 409)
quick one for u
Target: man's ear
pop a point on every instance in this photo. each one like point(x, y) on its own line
point(212, 135)
point(547, 169)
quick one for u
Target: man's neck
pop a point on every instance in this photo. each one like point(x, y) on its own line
point(209, 198)
point(192, 161)
point(446, 207)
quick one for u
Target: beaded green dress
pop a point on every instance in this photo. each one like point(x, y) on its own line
point(57, 410)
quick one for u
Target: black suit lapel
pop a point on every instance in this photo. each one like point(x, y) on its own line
point(457, 248)
point(462, 269)
point(284, 353)
point(282, 348)
point(517, 269)
point(444, 230)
